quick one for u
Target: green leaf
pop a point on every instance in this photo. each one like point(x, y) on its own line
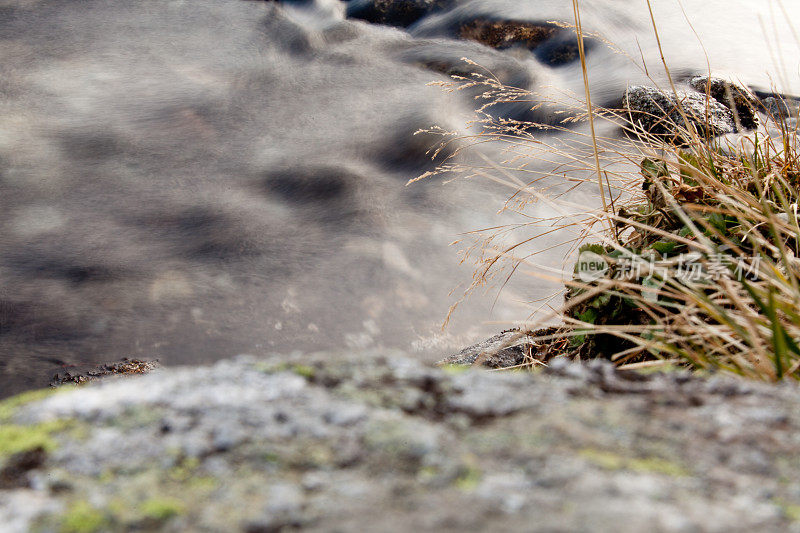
point(589, 316)
point(718, 221)
point(630, 302)
point(778, 335)
point(663, 247)
point(596, 248)
point(690, 161)
point(601, 301)
point(654, 169)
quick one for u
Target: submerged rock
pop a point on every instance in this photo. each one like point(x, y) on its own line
point(660, 113)
point(779, 106)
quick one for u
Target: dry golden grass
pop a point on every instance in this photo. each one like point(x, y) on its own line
point(700, 236)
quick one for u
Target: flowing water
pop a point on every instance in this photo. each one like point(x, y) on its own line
point(189, 180)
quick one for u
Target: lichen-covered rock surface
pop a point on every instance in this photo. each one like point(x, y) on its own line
point(376, 441)
point(661, 113)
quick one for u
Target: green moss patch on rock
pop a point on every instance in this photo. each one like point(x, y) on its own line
point(9, 406)
point(82, 517)
point(614, 461)
point(162, 509)
point(20, 438)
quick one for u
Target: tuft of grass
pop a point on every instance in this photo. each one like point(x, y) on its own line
point(700, 235)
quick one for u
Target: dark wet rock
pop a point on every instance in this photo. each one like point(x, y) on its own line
point(551, 44)
point(507, 33)
point(562, 49)
point(124, 367)
point(514, 348)
point(401, 13)
point(733, 96)
point(779, 106)
point(659, 112)
point(352, 441)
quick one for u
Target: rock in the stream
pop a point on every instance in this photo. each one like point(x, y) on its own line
point(659, 113)
point(506, 33)
point(551, 44)
point(124, 367)
point(401, 13)
point(504, 350)
point(377, 441)
point(733, 96)
point(780, 106)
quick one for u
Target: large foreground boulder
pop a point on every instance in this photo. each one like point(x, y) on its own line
point(377, 441)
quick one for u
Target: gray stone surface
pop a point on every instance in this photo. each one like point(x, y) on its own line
point(659, 112)
point(376, 441)
point(780, 107)
point(738, 99)
point(503, 350)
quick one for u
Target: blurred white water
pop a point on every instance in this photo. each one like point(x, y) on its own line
point(193, 179)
